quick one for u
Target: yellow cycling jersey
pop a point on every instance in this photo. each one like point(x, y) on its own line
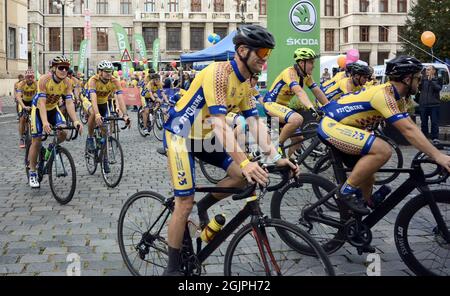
point(369, 106)
point(53, 91)
point(217, 89)
point(342, 87)
point(103, 90)
point(281, 89)
point(28, 90)
point(336, 78)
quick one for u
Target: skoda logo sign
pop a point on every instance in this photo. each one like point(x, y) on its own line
point(303, 16)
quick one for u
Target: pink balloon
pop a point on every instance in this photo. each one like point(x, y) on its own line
point(119, 72)
point(352, 55)
point(136, 61)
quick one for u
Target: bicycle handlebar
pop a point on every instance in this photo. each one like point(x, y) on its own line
point(60, 128)
point(444, 174)
point(115, 118)
point(247, 192)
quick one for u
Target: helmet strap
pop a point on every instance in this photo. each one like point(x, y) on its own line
point(245, 61)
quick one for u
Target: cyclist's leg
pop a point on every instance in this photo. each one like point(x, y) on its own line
point(181, 168)
point(87, 106)
point(145, 114)
point(103, 109)
point(36, 133)
point(354, 141)
point(291, 119)
point(56, 118)
point(21, 121)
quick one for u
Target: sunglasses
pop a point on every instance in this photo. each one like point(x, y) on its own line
point(108, 71)
point(262, 53)
point(63, 68)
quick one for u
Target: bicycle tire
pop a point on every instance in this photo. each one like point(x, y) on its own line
point(59, 198)
point(140, 123)
point(320, 169)
point(399, 156)
point(108, 182)
point(331, 239)
point(209, 175)
point(83, 115)
point(407, 248)
point(292, 258)
point(158, 126)
point(122, 228)
point(90, 159)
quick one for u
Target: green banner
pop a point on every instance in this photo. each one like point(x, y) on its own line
point(155, 54)
point(122, 41)
point(140, 46)
point(71, 55)
point(295, 24)
point(34, 56)
point(82, 56)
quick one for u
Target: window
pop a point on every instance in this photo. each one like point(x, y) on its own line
point(196, 5)
point(102, 39)
point(345, 35)
point(400, 33)
point(221, 31)
point(345, 6)
point(329, 7)
point(384, 34)
point(442, 74)
point(52, 8)
point(329, 39)
point(150, 34)
point(364, 5)
point(382, 56)
point(173, 5)
point(54, 39)
point(12, 43)
point(401, 5)
point(384, 5)
point(78, 6)
point(173, 38)
point(263, 7)
point(241, 6)
point(149, 6)
point(29, 31)
point(78, 36)
point(197, 38)
point(364, 33)
point(125, 6)
point(218, 6)
point(364, 56)
point(102, 7)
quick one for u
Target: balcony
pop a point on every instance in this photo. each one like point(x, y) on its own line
point(173, 15)
point(221, 15)
point(149, 15)
point(247, 15)
point(198, 15)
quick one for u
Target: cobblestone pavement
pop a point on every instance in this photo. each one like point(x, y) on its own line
point(37, 234)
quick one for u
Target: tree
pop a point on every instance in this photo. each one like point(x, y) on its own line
point(428, 15)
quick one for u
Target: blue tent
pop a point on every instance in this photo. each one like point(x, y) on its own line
point(222, 51)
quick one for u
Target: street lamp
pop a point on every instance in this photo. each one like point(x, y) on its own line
point(61, 4)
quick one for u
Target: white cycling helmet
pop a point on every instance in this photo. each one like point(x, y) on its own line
point(105, 65)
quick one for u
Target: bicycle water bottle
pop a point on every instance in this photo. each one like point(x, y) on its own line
point(193, 223)
point(213, 227)
point(379, 195)
point(48, 151)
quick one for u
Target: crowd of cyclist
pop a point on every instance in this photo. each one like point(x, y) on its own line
point(223, 95)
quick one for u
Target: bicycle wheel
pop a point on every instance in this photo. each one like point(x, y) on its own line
point(141, 123)
point(83, 115)
point(112, 155)
point(90, 159)
point(417, 237)
point(142, 233)
point(396, 162)
point(289, 205)
point(259, 251)
point(62, 175)
point(158, 127)
point(212, 173)
point(324, 168)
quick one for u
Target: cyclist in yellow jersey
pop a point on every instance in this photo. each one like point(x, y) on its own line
point(359, 77)
point(345, 121)
point(148, 102)
point(100, 88)
point(25, 92)
point(20, 79)
point(337, 77)
point(45, 111)
point(198, 121)
point(289, 83)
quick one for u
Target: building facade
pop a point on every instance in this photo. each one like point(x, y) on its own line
point(372, 26)
point(13, 38)
point(181, 25)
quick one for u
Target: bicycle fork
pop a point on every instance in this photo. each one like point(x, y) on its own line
point(259, 233)
point(441, 226)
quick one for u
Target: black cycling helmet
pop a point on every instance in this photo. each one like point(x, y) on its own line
point(402, 66)
point(358, 69)
point(254, 36)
